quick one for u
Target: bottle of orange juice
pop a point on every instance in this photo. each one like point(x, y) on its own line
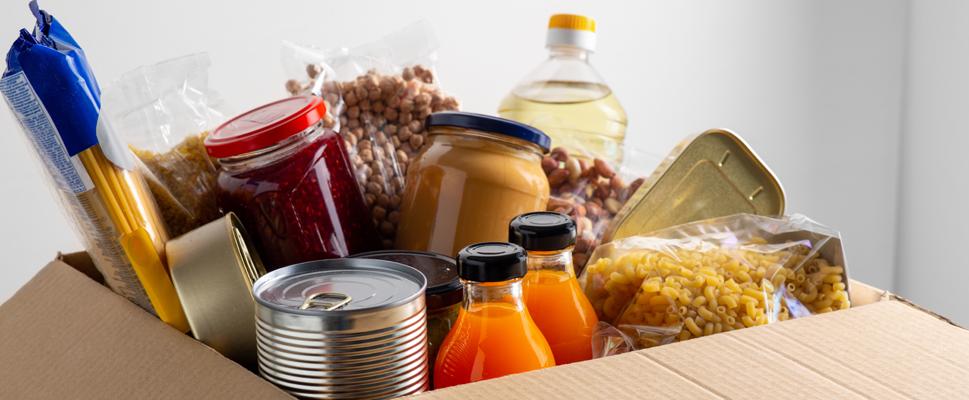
point(552, 294)
point(493, 335)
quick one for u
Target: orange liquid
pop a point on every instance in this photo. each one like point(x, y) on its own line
point(489, 341)
point(562, 312)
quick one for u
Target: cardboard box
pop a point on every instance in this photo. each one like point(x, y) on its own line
point(63, 335)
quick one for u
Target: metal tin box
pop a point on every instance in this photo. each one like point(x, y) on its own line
point(213, 268)
point(709, 175)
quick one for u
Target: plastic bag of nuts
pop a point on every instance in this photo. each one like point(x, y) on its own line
point(591, 191)
point(378, 96)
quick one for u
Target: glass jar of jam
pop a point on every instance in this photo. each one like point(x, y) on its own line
point(443, 294)
point(476, 174)
point(290, 182)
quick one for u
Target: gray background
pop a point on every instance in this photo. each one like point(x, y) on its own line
point(856, 106)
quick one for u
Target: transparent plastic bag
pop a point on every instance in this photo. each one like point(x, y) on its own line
point(163, 112)
point(592, 191)
point(715, 276)
point(378, 96)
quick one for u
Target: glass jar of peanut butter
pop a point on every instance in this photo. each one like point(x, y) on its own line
point(476, 174)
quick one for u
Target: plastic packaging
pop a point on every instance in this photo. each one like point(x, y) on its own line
point(163, 113)
point(53, 94)
point(567, 98)
point(592, 191)
point(715, 276)
point(378, 96)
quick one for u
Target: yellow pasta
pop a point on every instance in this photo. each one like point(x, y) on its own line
point(712, 289)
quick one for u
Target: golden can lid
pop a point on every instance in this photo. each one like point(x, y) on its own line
point(213, 269)
point(713, 174)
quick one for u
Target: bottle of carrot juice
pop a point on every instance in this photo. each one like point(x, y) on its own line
point(552, 293)
point(493, 335)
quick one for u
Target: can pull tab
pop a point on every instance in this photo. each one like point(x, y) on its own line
point(326, 301)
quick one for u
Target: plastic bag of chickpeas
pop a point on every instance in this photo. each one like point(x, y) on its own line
point(378, 95)
point(714, 276)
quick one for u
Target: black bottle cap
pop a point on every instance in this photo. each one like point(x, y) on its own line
point(492, 262)
point(542, 231)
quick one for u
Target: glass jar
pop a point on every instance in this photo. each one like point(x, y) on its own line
point(494, 334)
point(552, 293)
point(476, 174)
point(290, 182)
point(443, 295)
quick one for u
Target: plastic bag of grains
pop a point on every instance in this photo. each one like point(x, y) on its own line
point(163, 112)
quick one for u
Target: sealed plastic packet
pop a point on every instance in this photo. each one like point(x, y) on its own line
point(715, 276)
point(378, 96)
point(49, 86)
point(163, 112)
point(592, 191)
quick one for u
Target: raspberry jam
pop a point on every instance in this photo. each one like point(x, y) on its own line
point(297, 197)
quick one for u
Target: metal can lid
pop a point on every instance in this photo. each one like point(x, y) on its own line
point(443, 286)
point(339, 285)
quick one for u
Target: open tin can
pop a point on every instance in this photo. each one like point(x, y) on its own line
point(343, 329)
point(213, 268)
point(712, 174)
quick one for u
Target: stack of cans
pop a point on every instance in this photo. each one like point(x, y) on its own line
point(342, 329)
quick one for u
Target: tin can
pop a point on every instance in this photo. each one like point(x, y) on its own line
point(443, 295)
point(343, 329)
point(213, 268)
point(712, 174)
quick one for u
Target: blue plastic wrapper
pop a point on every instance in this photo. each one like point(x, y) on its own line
point(49, 87)
point(58, 72)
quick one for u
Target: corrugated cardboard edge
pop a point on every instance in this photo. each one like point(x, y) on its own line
point(88, 341)
point(888, 350)
point(864, 294)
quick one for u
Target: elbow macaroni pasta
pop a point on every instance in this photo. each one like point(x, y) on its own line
point(702, 289)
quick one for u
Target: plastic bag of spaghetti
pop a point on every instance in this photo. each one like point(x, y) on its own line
point(163, 113)
point(51, 89)
point(378, 95)
point(715, 276)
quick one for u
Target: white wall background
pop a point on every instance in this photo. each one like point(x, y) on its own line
point(815, 87)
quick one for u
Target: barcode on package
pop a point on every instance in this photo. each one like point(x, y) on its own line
point(64, 169)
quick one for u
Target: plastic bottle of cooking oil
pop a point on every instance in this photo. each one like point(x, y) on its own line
point(566, 98)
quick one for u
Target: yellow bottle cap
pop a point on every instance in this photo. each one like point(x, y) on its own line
point(572, 21)
point(571, 30)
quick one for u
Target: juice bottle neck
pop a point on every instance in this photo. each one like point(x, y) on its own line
point(556, 260)
point(568, 52)
point(507, 292)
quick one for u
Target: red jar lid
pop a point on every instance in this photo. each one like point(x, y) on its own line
point(265, 126)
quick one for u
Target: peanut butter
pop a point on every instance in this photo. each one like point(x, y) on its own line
point(465, 186)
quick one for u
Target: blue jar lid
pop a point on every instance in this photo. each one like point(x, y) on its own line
point(491, 124)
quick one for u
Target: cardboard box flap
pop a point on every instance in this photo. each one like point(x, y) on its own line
point(884, 350)
point(65, 336)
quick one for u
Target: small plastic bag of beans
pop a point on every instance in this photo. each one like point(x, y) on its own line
point(162, 112)
point(714, 276)
point(592, 191)
point(378, 96)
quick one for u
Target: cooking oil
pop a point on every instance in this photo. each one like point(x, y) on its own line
point(584, 117)
point(567, 98)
